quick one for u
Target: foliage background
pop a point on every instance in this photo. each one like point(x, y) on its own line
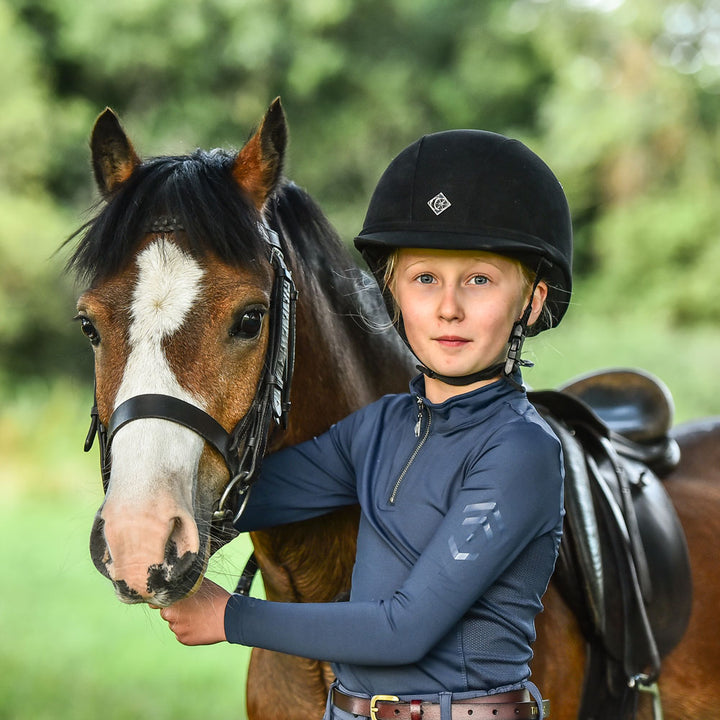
point(622, 98)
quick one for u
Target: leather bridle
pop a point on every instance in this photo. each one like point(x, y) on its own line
point(243, 448)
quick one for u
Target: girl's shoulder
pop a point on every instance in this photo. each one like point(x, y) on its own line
point(521, 450)
point(394, 402)
point(528, 415)
point(523, 430)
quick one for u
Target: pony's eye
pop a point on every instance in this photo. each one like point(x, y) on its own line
point(249, 325)
point(88, 330)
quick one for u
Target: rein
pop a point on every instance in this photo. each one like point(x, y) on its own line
point(242, 448)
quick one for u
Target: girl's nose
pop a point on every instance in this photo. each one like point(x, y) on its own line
point(450, 304)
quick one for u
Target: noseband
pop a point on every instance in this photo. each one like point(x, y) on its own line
point(242, 448)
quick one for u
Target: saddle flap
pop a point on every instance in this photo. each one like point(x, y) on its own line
point(623, 566)
point(626, 546)
point(581, 544)
point(631, 402)
point(666, 555)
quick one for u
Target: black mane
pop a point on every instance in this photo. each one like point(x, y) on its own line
point(323, 257)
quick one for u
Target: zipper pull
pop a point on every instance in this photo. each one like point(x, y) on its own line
point(419, 417)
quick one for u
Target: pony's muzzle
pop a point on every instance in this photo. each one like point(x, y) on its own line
point(147, 555)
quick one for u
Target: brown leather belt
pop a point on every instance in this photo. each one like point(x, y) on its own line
point(513, 705)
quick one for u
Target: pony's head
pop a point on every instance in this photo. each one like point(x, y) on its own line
point(179, 289)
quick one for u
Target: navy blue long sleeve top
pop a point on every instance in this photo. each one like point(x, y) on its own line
point(461, 518)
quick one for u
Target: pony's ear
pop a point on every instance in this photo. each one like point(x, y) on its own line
point(113, 156)
point(259, 165)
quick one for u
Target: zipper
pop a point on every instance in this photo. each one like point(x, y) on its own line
point(418, 424)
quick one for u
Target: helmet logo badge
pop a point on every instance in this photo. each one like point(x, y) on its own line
point(439, 204)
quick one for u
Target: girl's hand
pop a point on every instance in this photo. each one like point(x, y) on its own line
point(199, 619)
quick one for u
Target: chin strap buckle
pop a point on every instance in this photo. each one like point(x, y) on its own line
point(517, 338)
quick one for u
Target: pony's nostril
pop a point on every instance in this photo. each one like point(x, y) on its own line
point(183, 536)
point(181, 548)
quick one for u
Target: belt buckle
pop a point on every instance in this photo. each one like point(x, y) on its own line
point(380, 698)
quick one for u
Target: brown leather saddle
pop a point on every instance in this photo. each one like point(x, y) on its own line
point(624, 566)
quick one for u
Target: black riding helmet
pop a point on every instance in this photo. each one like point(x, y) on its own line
point(473, 190)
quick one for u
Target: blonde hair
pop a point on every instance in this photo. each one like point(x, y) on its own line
point(388, 281)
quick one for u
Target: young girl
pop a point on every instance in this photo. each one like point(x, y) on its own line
point(459, 481)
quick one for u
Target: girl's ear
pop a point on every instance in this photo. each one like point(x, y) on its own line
point(538, 300)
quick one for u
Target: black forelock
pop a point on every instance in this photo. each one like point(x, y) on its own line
point(197, 191)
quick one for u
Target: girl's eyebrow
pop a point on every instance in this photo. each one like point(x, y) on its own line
point(487, 259)
point(420, 261)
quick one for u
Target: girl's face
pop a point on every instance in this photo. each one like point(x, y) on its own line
point(458, 308)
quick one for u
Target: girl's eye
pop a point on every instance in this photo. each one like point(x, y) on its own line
point(88, 330)
point(425, 279)
point(479, 280)
point(249, 325)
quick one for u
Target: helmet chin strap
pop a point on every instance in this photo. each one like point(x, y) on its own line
point(505, 369)
point(488, 373)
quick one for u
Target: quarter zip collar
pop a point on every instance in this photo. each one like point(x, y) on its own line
point(468, 408)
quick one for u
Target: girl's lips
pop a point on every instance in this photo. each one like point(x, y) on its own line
point(452, 340)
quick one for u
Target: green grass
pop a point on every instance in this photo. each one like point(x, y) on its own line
point(70, 650)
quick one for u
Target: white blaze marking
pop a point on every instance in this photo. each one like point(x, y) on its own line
point(146, 452)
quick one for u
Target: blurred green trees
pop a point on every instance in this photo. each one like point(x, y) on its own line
point(621, 98)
